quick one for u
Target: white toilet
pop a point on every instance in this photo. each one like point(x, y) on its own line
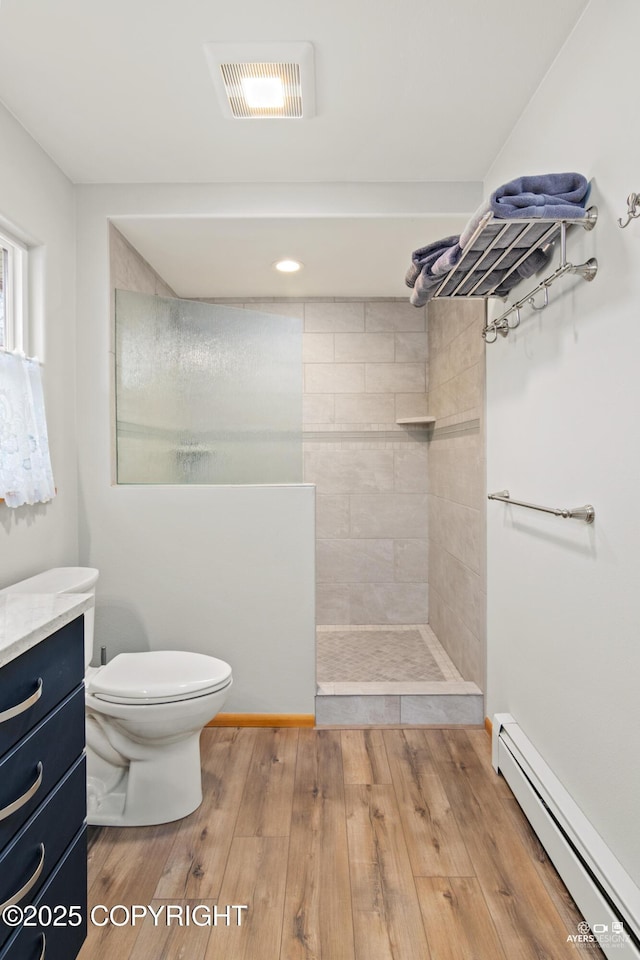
point(145, 713)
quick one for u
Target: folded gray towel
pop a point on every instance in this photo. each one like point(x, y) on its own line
point(556, 196)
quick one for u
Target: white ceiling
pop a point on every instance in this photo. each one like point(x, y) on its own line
point(207, 257)
point(406, 91)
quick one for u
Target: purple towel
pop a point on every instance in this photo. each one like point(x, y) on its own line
point(556, 196)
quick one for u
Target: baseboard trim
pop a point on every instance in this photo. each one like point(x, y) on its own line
point(263, 720)
point(488, 726)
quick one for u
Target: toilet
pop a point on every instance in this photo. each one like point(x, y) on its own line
point(144, 716)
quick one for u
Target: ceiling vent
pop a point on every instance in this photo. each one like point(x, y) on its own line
point(263, 80)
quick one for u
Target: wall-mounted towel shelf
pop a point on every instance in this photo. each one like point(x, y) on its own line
point(497, 248)
point(586, 513)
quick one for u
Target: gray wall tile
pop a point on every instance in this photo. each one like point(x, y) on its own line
point(332, 516)
point(457, 582)
point(345, 471)
point(411, 468)
point(451, 578)
point(317, 347)
point(332, 603)
point(393, 316)
point(457, 529)
point(411, 560)
point(395, 378)
point(362, 347)
point(282, 308)
point(345, 561)
point(334, 378)
point(364, 367)
point(411, 405)
point(397, 516)
point(318, 408)
point(446, 708)
point(411, 347)
point(350, 710)
point(365, 408)
point(346, 317)
point(388, 602)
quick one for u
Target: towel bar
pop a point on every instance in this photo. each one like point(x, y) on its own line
point(586, 513)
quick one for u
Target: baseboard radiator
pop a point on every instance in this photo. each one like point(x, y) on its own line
point(606, 895)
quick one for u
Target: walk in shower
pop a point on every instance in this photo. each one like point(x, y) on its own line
point(319, 391)
point(400, 576)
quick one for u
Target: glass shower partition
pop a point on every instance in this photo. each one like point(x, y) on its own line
point(206, 393)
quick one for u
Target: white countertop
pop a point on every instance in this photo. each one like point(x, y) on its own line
point(28, 618)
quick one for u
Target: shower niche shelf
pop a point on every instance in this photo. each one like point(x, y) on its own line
point(416, 421)
point(494, 252)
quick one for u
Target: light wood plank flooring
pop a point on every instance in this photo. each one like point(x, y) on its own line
point(354, 844)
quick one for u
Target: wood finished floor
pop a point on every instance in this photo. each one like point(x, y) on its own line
point(353, 844)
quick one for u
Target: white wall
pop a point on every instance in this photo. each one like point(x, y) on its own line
point(38, 201)
point(563, 396)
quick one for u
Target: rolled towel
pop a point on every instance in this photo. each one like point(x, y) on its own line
point(555, 196)
point(422, 260)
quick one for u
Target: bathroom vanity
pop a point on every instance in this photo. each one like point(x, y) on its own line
point(43, 858)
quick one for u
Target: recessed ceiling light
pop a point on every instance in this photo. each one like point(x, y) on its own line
point(288, 266)
point(263, 80)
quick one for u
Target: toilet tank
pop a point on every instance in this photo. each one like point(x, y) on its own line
point(65, 580)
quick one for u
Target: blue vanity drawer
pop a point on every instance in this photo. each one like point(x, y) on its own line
point(66, 888)
point(38, 680)
point(38, 761)
point(32, 855)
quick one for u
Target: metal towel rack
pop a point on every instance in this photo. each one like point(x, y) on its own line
point(502, 325)
point(586, 513)
point(493, 243)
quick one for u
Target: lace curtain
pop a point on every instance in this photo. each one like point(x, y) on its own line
point(25, 467)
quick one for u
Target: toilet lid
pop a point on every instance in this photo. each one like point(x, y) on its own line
point(158, 676)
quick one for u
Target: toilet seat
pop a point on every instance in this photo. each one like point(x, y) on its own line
point(158, 676)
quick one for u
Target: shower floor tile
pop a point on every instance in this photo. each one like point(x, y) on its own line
point(384, 674)
point(409, 654)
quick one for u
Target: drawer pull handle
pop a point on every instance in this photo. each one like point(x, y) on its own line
point(20, 802)
point(44, 946)
point(21, 707)
point(33, 879)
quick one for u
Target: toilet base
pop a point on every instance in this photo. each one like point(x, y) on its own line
point(163, 786)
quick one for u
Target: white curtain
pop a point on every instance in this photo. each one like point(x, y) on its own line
point(25, 467)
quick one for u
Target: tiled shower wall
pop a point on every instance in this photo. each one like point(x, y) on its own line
point(130, 271)
point(457, 578)
point(387, 552)
point(365, 366)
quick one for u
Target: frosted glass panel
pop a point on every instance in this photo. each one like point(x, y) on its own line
point(206, 393)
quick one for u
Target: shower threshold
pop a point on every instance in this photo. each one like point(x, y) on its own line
point(390, 674)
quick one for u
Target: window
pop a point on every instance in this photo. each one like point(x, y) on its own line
point(13, 293)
